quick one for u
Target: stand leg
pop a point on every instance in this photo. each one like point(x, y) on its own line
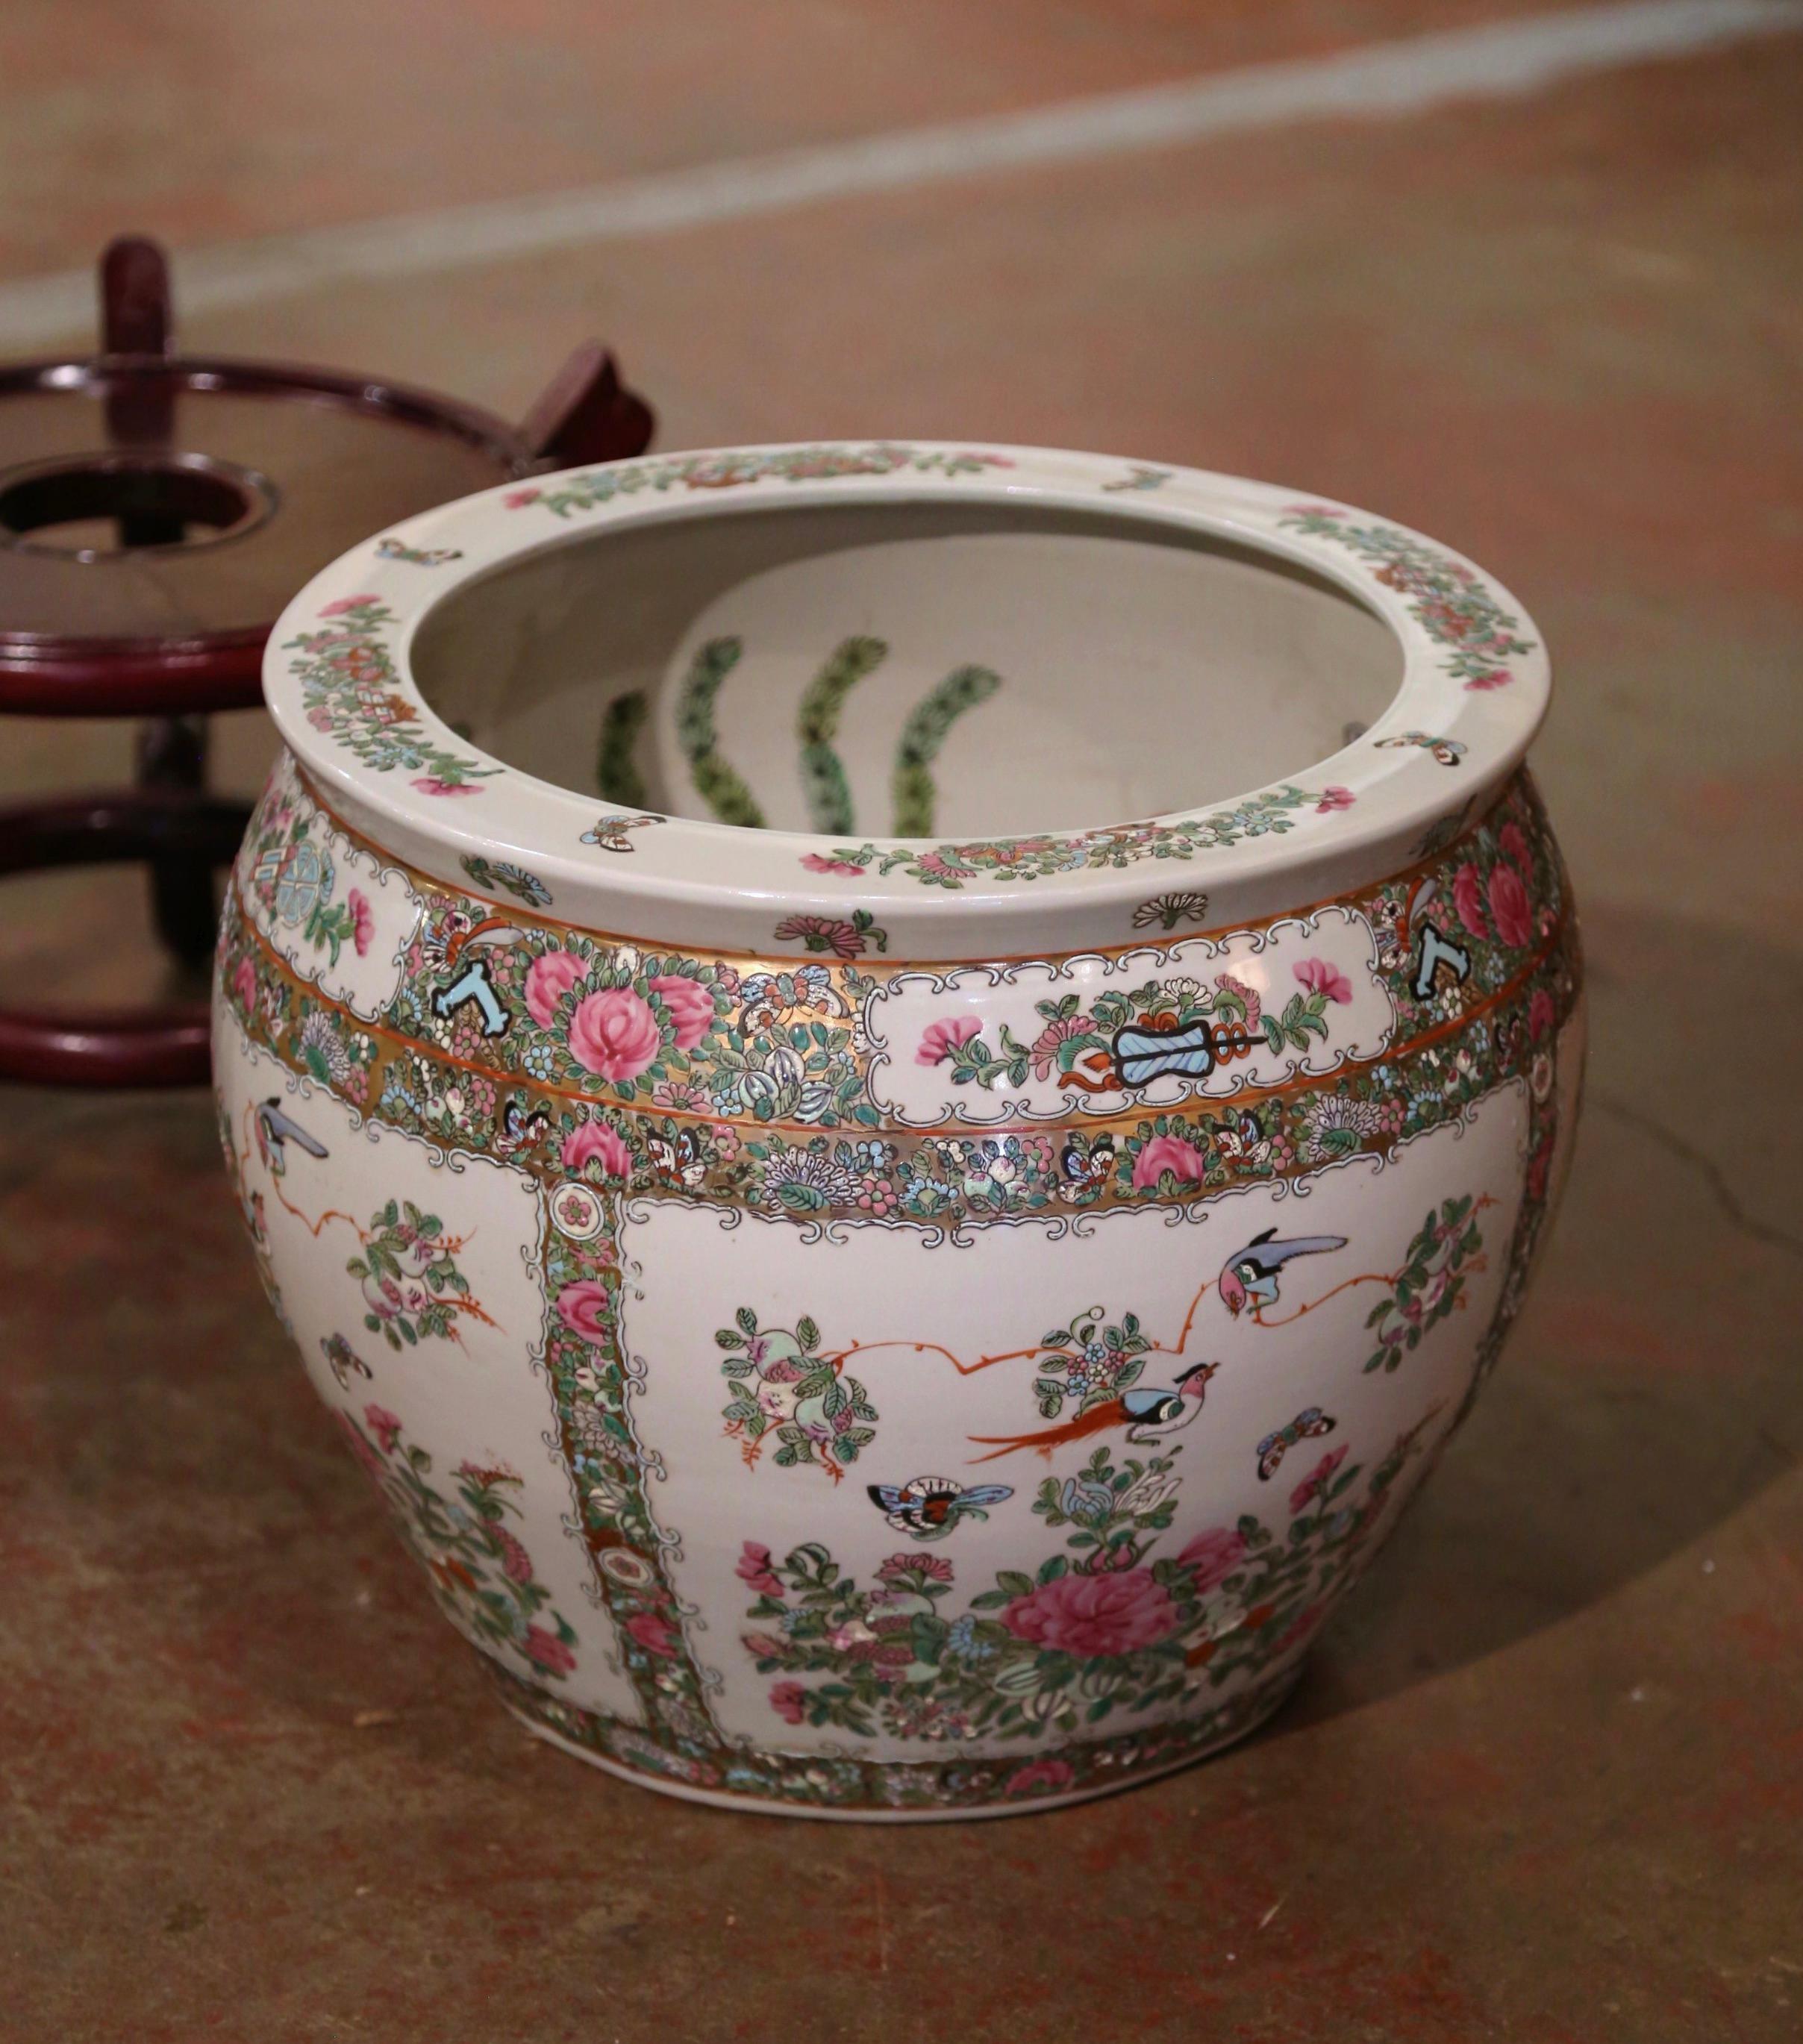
point(172, 757)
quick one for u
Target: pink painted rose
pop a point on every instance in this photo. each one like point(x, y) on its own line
point(1334, 798)
point(517, 500)
point(1317, 1478)
point(595, 1141)
point(347, 603)
point(1322, 976)
point(1468, 899)
point(815, 862)
point(1509, 906)
point(614, 1034)
point(753, 1570)
point(584, 1309)
point(1092, 1616)
point(244, 984)
point(1515, 848)
point(688, 1004)
point(939, 1040)
point(429, 784)
point(1492, 678)
point(789, 1700)
point(1041, 1777)
point(652, 1631)
point(1539, 1014)
point(362, 921)
point(1211, 1556)
point(1184, 1162)
point(546, 1651)
point(548, 979)
point(384, 1425)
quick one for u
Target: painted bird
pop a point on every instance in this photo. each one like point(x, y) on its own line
point(1147, 1415)
point(1253, 1275)
point(275, 1131)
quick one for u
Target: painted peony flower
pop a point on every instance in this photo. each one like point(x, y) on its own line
point(1334, 798)
point(1211, 1556)
point(789, 1700)
point(1539, 1014)
point(1095, 1616)
point(429, 784)
point(816, 863)
point(594, 1141)
point(1468, 899)
point(544, 1650)
point(548, 979)
point(1184, 1162)
point(347, 603)
point(688, 1004)
point(584, 1309)
point(1514, 847)
point(614, 1034)
point(939, 1040)
point(1509, 906)
point(653, 1632)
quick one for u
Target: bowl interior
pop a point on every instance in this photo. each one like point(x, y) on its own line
point(914, 670)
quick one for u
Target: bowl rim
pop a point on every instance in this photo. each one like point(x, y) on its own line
point(338, 680)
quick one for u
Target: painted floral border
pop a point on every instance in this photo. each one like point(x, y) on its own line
point(1117, 846)
point(939, 1182)
point(767, 1043)
point(1446, 599)
point(351, 689)
point(732, 470)
point(844, 1782)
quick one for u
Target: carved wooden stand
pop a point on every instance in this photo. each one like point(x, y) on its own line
point(157, 512)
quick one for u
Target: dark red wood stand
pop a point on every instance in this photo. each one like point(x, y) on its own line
point(156, 513)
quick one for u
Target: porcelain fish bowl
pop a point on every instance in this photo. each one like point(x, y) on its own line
point(898, 1093)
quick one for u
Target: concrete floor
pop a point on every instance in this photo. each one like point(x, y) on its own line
point(1545, 1779)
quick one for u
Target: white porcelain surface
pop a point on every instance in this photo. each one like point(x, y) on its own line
point(899, 1327)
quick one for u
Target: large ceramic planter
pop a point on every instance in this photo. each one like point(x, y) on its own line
point(922, 1308)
